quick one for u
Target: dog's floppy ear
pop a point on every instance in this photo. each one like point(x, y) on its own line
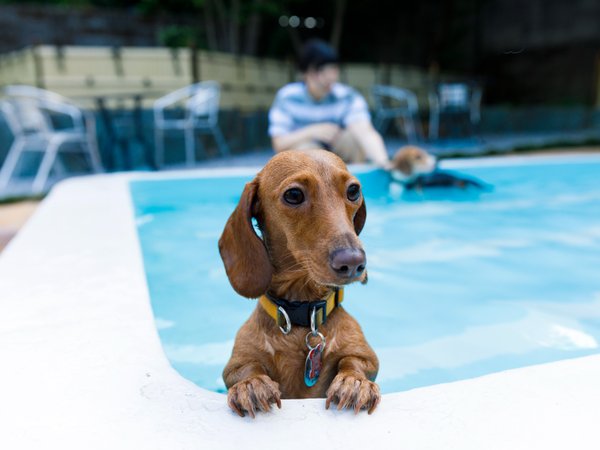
point(401, 162)
point(243, 253)
point(360, 217)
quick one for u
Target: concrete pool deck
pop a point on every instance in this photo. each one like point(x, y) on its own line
point(484, 144)
point(84, 368)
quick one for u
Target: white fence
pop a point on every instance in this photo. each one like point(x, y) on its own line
point(248, 83)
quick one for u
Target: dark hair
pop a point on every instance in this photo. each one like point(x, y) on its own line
point(315, 54)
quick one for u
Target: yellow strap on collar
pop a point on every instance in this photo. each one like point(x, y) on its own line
point(273, 310)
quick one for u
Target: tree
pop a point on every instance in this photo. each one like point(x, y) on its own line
point(225, 25)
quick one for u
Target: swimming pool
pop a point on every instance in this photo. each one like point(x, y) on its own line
point(461, 283)
point(85, 363)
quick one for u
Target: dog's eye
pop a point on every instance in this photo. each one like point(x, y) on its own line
point(353, 192)
point(293, 196)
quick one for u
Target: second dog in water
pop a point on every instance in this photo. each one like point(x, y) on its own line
point(416, 169)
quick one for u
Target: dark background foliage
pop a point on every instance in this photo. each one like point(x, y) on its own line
point(533, 52)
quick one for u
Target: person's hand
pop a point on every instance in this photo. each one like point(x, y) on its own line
point(307, 137)
point(325, 132)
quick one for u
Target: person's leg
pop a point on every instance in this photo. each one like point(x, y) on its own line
point(360, 142)
point(318, 135)
point(347, 147)
point(310, 145)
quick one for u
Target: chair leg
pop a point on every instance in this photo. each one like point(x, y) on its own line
point(90, 143)
point(434, 123)
point(94, 155)
point(221, 142)
point(159, 146)
point(59, 168)
point(409, 126)
point(474, 126)
point(190, 156)
point(14, 153)
point(201, 148)
point(418, 127)
point(45, 167)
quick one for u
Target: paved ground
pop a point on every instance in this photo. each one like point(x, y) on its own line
point(496, 144)
point(12, 217)
point(485, 144)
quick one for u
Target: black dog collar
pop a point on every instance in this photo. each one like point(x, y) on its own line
point(310, 314)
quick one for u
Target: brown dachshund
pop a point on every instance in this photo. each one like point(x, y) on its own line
point(298, 342)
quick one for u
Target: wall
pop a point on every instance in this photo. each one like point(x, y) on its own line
point(248, 83)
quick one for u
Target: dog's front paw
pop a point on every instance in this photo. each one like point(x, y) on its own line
point(253, 394)
point(350, 391)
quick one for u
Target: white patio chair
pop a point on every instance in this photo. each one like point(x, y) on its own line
point(392, 103)
point(454, 98)
point(28, 113)
point(201, 109)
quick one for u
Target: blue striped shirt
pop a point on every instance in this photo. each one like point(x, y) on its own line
point(294, 108)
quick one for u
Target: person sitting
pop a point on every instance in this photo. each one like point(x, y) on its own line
point(320, 112)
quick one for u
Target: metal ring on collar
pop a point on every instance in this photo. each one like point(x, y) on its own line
point(288, 323)
point(308, 335)
point(313, 322)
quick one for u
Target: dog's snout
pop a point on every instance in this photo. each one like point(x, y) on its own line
point(348, 262)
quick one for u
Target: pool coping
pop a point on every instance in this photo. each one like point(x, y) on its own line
point(85, 366)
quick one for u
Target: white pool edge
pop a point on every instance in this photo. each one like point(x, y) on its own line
point(84, 368)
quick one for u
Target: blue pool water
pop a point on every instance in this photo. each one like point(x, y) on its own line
point(460, 283)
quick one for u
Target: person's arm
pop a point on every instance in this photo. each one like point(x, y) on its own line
point(282, 126)
point(370, 141)
point(306, 137)
point(358, 123)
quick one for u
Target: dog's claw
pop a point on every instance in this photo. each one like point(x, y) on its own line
point(349, 391)
point(278, 399)
point(233, 405)
point(374, 404)
point(253, 394)
point(265, 406)
point(345, 399)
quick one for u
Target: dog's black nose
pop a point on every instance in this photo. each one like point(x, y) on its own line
point(348, 262)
